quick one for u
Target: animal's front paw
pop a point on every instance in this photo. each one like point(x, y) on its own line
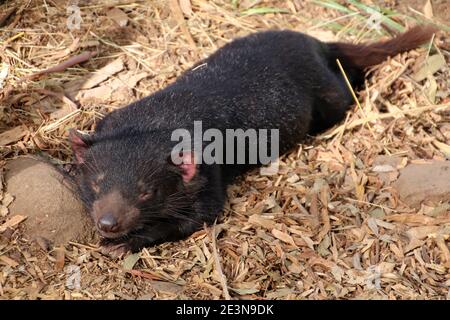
point(114, 250)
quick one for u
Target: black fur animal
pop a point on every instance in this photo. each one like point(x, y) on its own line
point(270, 80)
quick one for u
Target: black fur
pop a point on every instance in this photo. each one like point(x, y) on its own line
point(270, 80)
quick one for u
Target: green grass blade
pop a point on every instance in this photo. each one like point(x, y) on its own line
point(263, 10)
point(333, 5)
point(371, 10)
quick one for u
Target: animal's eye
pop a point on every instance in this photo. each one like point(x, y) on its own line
point(143, 196)
point(95, 187)
point(95, 183)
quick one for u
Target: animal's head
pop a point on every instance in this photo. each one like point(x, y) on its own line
point(129, 182)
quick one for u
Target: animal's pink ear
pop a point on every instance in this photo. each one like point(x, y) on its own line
point(186, 162)
point(80, 143)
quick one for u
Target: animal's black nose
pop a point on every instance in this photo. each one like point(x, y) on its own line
point(108, 223)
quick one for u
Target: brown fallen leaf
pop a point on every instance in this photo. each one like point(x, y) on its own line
point(423, 232)
point(445, 252)
point(295, 268)
point(283, 237)
point(428, 10)
point(98, 94)
point(396, 250)
point(413, 244)
point(280, 293)
point(131, 78)
point(323, 262)
point(12, 222)
point(103, 73)
point(261, 221)
point(431, 87)
point(245, 291)
point(164, 286)
point(7, 260)
point(115, 90)
point(13, 135)
point(60, 259)
point(130, 261)
point(199, 234)
point(429, 67)
point(415, 219)
point(326, 225)
point(372, 224)
point(186, 7)
point(308, 241)
point(444, 148)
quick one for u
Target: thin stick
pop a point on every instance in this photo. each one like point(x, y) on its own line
point(223, 279)
point(326, 22)
point(354, 95)
point(371, 204)
point(89, 247)
point(357, 102)
point(20, 34)
point(58, 68)
point(176, 10)
point(144, 275)
point(65, 64)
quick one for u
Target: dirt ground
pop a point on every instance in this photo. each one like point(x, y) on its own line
point(336, 222)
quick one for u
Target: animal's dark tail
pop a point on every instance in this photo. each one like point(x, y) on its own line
point(361, 56)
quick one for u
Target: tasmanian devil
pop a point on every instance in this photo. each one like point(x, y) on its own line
point(138, 195)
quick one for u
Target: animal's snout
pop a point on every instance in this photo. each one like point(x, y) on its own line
point(113, 216)
point(108, 223)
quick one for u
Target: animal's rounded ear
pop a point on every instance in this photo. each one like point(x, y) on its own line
point(80, 143)
point(186, 162)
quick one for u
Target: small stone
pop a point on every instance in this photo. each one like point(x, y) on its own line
point(429, 182)
point(53, 213)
